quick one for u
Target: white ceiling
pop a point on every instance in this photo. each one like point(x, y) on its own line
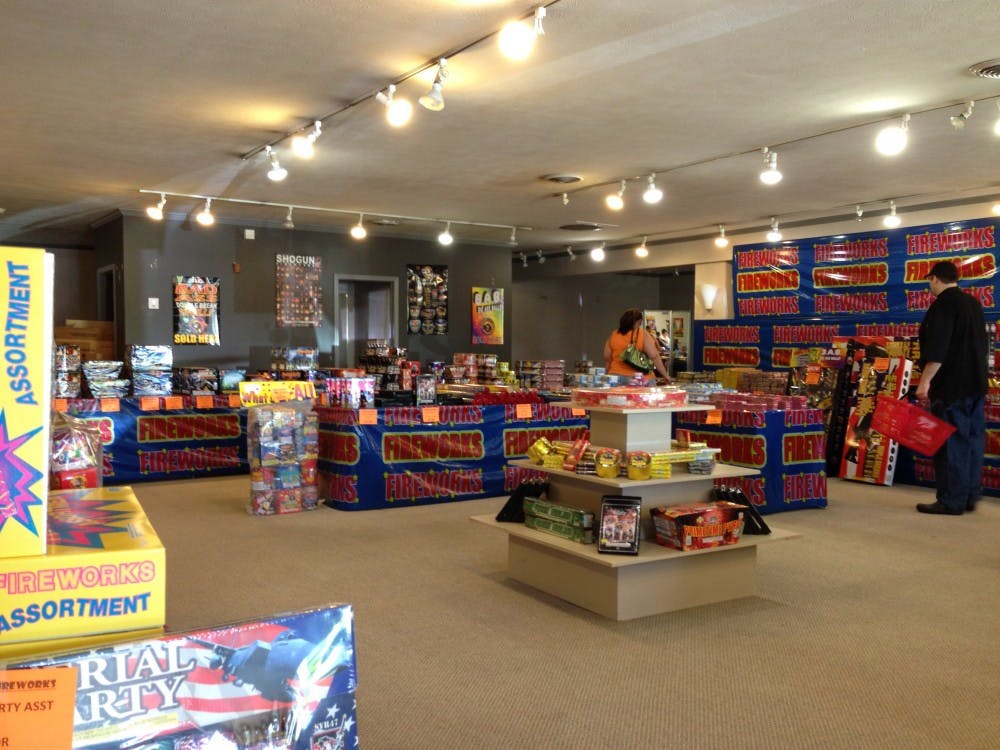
point(100, 99)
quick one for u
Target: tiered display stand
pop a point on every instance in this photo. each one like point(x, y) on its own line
point(658, 579)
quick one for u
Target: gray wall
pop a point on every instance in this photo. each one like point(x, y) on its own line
point(155, 252)
point(570, 317)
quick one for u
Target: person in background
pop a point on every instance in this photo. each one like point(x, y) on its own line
point(953, 348)
point(630, 330)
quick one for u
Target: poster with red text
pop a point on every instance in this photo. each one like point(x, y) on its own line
point(196, 310)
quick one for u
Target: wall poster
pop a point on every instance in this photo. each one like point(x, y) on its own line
point(298, 290)
point(487, 315)
point(427, 300)
point(196, 310)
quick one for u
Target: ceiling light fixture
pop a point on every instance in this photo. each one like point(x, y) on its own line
point(434, 99)
point(445, 237)
point(641, 251)
point(565, 196)
point(513, 237)
point(541, 257)
point(597, 254)
point(572, 255)
point(859, 211)
point(770, 175)
point(891, 220)
point(722, 240)
point(616, 201)
point(397, 111)
point(524, 260)
point(302, 143)
point(276, 173)
point(288, 223)
point(891, 140)
point(958, 121)
point(358, 231)
point(204, 216)
point(775, 234)
point(653, 194)
point(154, 212)
point(996, 209)
point(517, 38)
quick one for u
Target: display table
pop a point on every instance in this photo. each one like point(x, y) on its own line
point(624, 587)
point(658, 579)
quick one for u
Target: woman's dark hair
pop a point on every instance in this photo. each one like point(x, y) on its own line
point(628, 320)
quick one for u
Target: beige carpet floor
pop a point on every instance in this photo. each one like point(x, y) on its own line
point(877, 628)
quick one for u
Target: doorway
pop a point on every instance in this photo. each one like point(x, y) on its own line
point(367, 307)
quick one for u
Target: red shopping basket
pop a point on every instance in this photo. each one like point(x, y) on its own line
point(910, 425)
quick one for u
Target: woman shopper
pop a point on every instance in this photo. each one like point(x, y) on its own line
point(631, 332)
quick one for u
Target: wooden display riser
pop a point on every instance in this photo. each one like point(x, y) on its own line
point(624, 587)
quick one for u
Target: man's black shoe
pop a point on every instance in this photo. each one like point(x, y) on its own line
point(938, 509)
point(970, 506)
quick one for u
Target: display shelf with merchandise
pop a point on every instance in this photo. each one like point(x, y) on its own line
point(656, 580)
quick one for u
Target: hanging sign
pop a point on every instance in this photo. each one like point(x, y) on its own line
point(487, 315)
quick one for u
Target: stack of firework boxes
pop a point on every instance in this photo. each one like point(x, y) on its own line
point(75, 566)
point(283, 450)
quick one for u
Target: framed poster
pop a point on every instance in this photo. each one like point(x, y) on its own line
point(196, 310)
point(619, 525)
point(487, 315)
point(427, 300)
point(298, 290)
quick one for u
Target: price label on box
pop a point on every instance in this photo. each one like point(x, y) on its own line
point(149, 403)
point(173, 402)
point(523, 411)
point(110, 404)
point(578, 412)
point(234, 401)
point(367, 416)
point(203, 402)
point(430, 415)
point(38, 707)
point(60, 404)
point(713, 417)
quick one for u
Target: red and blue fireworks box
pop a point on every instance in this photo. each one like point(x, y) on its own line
point(104, 572)
point(284, 681)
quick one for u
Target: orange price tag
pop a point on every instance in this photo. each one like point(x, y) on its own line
point(578, 412)
point(149, 403)
point(881, 364)
point(367, 416)
point(173, 402)
point(523, 411)
point(42, 701)
point(110, 404)
point(60, 404)
point(713, 417)
point(204, 402)
point(234, 401)
point(430, 414)
point(812, 377)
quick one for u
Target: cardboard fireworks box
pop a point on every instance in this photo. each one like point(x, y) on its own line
point(104, 571)
point(569, 516)
point(698, 525)
point(25, 398)
point(557, 528)
point(284, 681)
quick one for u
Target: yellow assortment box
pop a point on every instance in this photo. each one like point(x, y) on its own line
point(26, 349)
point(104, 572)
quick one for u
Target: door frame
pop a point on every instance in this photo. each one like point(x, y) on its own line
point(392, 281)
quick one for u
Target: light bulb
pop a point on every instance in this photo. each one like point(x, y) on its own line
point(156, 212)
point(892, 139)
point(358, 231)
point(516, 40)
point(722, 240)
point(996, 209)
point(891, 220)
point(445, 237)
point(774, 235)
point(205, 217)
point(770, 175)
point(641, 251)
point(996, 127)
point(653, 194)
point(399, 112)
point(302, 146)
point(277, 173)
point(597, 254)
point(616, 201)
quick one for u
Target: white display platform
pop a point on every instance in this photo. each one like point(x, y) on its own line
point(624, 587)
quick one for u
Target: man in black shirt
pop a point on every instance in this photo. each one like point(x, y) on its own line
point(953, 351)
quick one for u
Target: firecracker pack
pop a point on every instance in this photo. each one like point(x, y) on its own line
point(698, 525)
point(557, 528)
point(197, 380)
point(230, 379)
point(102, 378)
point(283, 451)
point(294, 358)
point(25, 398)
point(67, 380)
point(351, 393)
point(569, 516)
point(284, 682)
point(104, 571)
point(76, 457)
